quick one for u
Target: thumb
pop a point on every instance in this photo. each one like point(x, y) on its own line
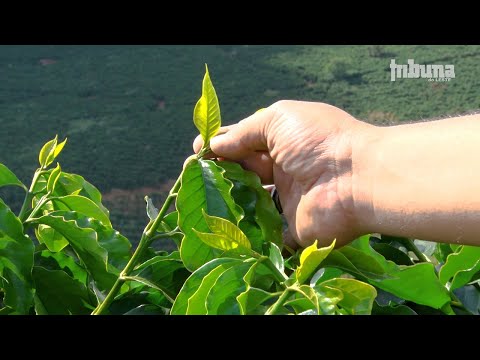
point(244, 138)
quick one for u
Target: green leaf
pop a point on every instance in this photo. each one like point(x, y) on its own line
point(82, 205)
point(262, 222)
point(9, 178)
point(310, 258)
point(206, 115)
point(461, 265)
point(147, 309)
point(417, 283)
point(60, 294)
point(323, 299)
point(16, 262)
point(54, 241)
point(222, 296)
point(203, 187)
point(53, 178)
point(393, 254)
point(325, 274)
point(226, 236)
point(442, 251)
point(152, 211)
point(61, 261)
point(72, 184)
point(251, 299)
point(358, 266)
point(167, 275)
point(275, 256)
point(192, 284)
point(85, 243)
point(391, 309)
point(170, 223)
point(357, 298)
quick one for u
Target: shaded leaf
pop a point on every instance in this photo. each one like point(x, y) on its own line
point(392, 309)
point(84, 242)
point(16, 262)
point(393, 254)
point(262, 222)
point(168, 275)
point(60, 294)
point(61, 261)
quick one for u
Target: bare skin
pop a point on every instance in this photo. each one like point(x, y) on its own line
point(339, 177)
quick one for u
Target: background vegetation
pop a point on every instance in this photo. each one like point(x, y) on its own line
point(118, 103)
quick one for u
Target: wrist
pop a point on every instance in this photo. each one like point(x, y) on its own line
point(366, 150)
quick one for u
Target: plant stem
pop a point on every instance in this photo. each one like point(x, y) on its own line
point(279, 303)
point(29, 196)
point(410, 245)
point(281, 277)
point(147, 236)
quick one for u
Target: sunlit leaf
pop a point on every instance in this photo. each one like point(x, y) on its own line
point(206, 114)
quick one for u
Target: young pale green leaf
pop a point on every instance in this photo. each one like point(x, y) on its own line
point(357, 298)
point(53, 178)
point(85, 243)
point(168, 275)
point(9, 178)
point(58, 148)
point(262, 222)
point(461, 265)
point(59, 294)
point(206, 115)
point(203, 187)
point(152, 211)
point(46, 155)
point(82, 205)
point(310, 258)
point(16, 262)
point(226, 235)
point(222, 296)
point(180, 306)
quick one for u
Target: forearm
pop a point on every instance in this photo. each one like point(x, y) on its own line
point(421, 180)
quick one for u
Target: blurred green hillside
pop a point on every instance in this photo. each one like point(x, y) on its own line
point(127, 110)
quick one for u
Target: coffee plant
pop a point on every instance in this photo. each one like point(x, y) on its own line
point(61, 255)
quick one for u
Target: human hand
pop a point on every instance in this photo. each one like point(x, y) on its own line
point(308, 150)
